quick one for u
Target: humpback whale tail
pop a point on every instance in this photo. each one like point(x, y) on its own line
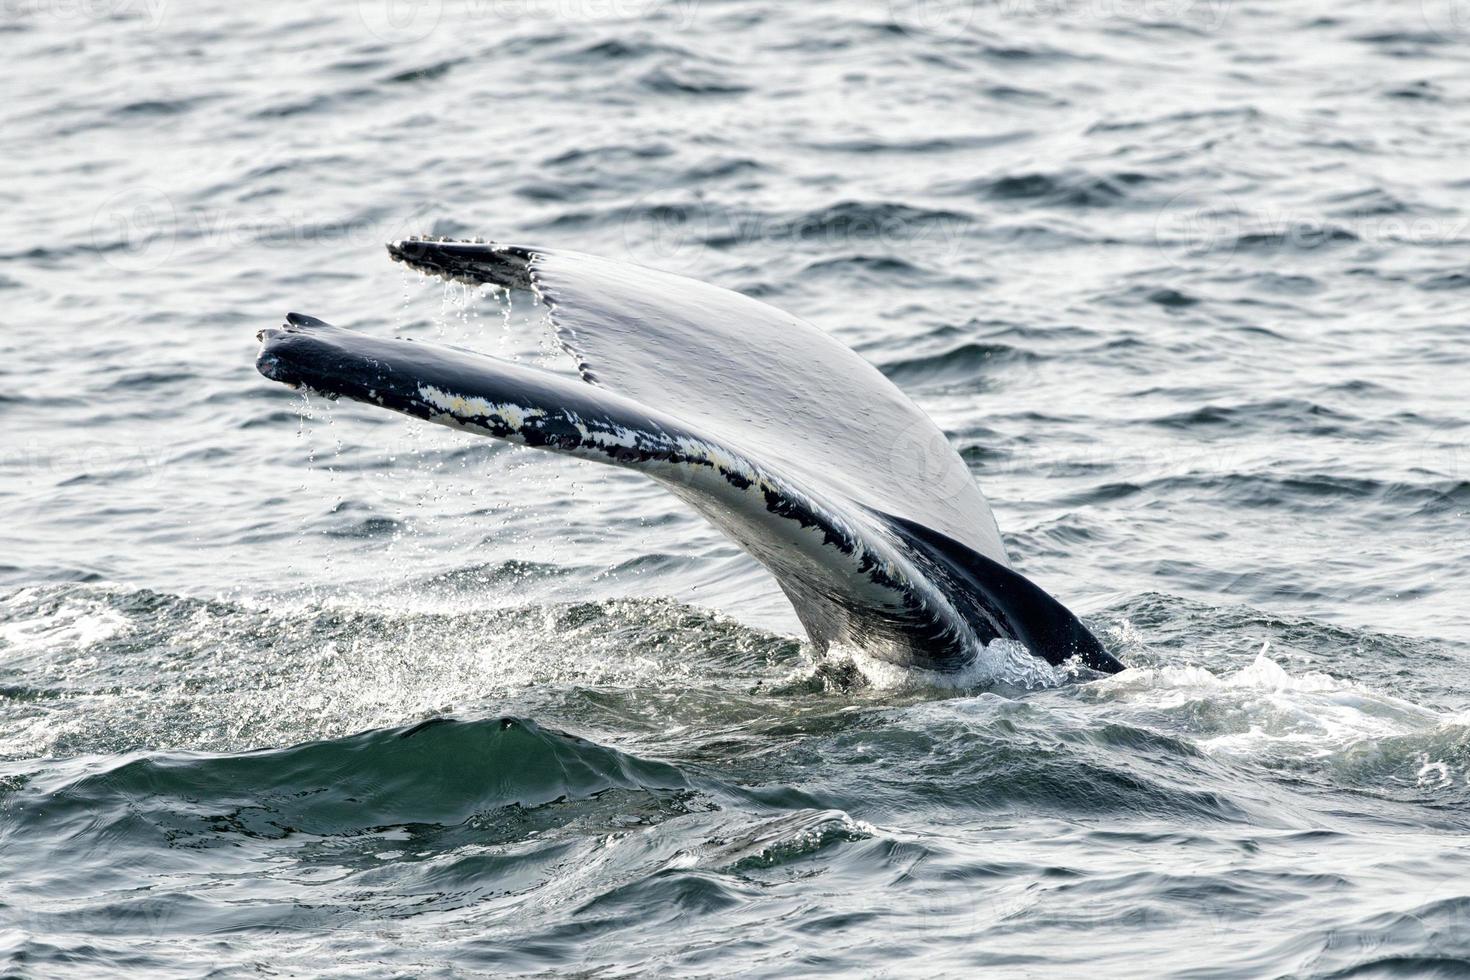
point(786, 440)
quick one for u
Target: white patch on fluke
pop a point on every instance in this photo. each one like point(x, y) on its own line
point(468, 408)
point(721, 458)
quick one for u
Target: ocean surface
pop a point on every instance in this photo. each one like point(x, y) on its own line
point(295, 688)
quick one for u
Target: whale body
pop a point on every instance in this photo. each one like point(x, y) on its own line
point(798, 449)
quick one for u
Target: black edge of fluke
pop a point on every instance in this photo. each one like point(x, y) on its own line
point(279, 358)
point(1000, 601)
point(473, 262)
point(302, 320)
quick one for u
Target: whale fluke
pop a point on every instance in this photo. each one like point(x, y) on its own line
point(793, 445)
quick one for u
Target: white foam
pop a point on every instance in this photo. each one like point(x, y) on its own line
point(1263, 710)
point(1000, 662)
point(78, 625)
point(1433, 775)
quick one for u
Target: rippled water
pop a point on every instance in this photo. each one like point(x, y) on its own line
point(296, 688)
